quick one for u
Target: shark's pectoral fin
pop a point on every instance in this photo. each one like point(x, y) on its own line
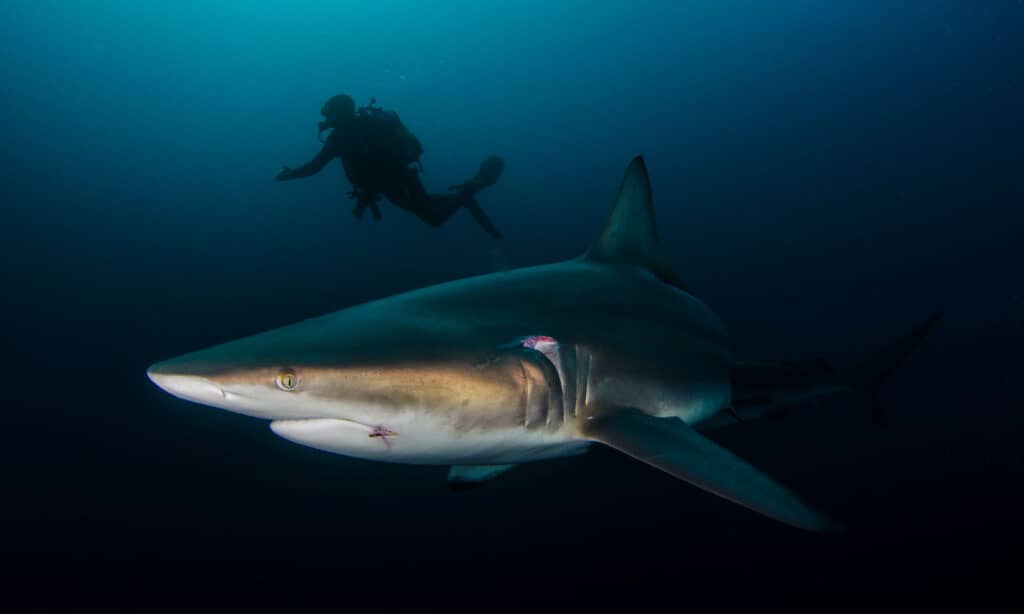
point(461, 477)
point(672, 446)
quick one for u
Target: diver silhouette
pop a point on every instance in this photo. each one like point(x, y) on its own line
point(381, 158)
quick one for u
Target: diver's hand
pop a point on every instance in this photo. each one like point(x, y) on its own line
point(284, 174)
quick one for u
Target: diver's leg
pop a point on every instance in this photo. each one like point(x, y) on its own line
point(409, 194)
point(444, 205)
point(435, 209)
point(439, 207)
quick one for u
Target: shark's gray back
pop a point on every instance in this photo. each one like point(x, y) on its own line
point(629, 329)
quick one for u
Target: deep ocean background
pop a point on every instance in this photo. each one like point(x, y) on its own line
point(825, 175)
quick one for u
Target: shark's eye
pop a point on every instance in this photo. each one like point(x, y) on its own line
point(287, 380)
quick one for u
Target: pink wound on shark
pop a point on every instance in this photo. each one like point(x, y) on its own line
point(548, 346)
point(541, 343)
point(384, 433)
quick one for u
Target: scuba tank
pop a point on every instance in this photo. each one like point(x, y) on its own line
point(391, 134)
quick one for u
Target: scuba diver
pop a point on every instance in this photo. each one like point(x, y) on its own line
point(381, 157)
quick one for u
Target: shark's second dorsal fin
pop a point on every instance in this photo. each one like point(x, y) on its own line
point(630, 236)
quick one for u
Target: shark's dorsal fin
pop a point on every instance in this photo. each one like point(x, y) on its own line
point(630, 235)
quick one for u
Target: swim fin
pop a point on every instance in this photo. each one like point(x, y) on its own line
point(489, 172)
point(481, 218)
point(487, 175)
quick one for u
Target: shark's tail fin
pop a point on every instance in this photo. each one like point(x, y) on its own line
point(869, 376)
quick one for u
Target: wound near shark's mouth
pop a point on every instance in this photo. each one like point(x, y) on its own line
point(383, 433)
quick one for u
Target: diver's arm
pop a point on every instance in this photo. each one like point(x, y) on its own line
point(314, 166)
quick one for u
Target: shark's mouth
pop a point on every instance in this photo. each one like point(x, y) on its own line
point(324, 432)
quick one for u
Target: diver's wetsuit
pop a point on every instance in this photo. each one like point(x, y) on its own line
point(372, 167)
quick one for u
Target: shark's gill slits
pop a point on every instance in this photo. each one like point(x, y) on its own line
point(551, 389)
point(542, 393)
point(582, 380)
point(567, 369)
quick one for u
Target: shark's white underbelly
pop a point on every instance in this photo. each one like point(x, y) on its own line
point(428, 440)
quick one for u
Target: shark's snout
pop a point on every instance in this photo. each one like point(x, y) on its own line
point(188, 387)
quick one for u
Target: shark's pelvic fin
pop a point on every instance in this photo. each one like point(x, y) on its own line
point(630, 235)
point(461, 477)
point(672, 446)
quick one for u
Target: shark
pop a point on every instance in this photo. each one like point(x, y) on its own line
point(484, 373)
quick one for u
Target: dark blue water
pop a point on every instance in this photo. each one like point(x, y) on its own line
point(825, 175)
